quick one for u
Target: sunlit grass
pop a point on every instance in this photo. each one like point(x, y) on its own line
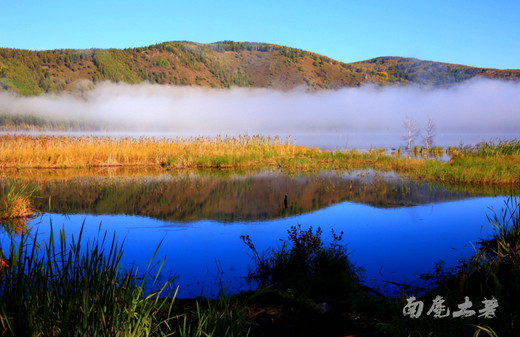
point(17, 203)
point(485, 164)
point(489, 148)
point(58, 152)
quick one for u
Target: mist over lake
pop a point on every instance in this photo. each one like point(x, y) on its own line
point(483, 108)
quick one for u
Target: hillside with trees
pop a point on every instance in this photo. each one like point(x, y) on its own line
point(218, 65)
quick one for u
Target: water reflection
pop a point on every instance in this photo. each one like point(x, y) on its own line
point(395, 229)
point(390, 244)
point(189, 196)
point(15, 226)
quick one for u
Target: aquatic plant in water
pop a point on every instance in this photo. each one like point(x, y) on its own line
point(306, 266)
point(61, 288)
point(16, 209)
point(17, 203)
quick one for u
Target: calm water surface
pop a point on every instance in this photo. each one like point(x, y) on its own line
point(395, 229)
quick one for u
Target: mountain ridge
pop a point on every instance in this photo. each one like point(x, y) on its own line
point(220, 65)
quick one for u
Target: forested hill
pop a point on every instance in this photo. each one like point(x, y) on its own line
point(222, 64)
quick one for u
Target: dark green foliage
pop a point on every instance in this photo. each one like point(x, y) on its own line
point(223, 46)
point(311, 289)
point(221, 317)
point(497, 148)
point(293, 54)
point(229, 46)
point(114, 65)
point(306, 266)
point(161, 63)
point(19, 77)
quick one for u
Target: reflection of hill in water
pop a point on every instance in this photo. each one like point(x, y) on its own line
point(188, 197)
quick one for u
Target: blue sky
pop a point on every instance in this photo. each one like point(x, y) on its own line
point(481, 33)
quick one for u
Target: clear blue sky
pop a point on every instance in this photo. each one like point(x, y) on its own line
point(483, 33)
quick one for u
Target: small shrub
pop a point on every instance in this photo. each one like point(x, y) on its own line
point(161, 63)
point(306, 266)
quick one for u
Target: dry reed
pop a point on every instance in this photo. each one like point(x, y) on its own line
point(60, 152)
point(246, 152)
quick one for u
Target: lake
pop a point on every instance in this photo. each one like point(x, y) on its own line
point(395, 229)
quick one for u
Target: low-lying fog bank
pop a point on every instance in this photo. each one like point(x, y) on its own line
point(346, 118)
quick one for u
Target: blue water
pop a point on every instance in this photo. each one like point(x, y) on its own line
point(390, 244)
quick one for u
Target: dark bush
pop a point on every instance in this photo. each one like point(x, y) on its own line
point(307, 267)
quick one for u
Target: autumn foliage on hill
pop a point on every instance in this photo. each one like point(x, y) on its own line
point(218, 65)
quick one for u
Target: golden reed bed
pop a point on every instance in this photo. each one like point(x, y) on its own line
point(59, 152)
point(467, 167)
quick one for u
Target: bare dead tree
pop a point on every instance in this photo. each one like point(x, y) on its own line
point(412, 132)
point(430, 134)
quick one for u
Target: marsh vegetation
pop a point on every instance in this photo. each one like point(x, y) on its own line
point(16, 208)
point(307, 285)
point(76, 288)
point(488, 163)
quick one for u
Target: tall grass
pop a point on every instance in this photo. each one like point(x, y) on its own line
point(497, 148)
point(222, 317)
point(61, 288)
point(53, 152)
point(489, 165)
point(76, 288)
point(16, 209)
point(17, 203)
point(505, 244)
point(489, 331)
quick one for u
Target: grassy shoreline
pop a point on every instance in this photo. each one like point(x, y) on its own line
point(484, 164)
